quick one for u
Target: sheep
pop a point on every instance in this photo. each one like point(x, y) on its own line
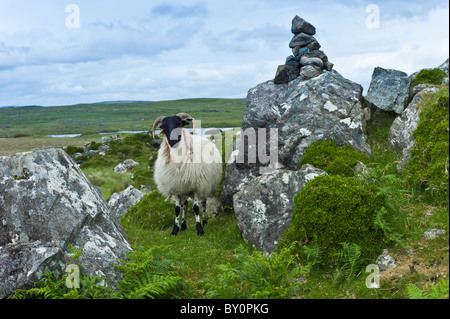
point(187, 166)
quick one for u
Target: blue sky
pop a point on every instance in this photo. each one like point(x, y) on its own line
point(162, 50)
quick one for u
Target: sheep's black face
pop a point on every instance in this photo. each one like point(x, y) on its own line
point(172, 129)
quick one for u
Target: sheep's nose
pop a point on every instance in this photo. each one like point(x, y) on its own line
point(172, 142)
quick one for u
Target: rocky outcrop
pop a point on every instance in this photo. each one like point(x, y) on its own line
point(264, 207)
point(307, 60)
point(47, 204)
point(389, 90)
point(401, 131)
point(302, 111)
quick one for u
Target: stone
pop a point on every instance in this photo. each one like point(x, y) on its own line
point(285, 73)
point(47, 204)
point(264, 206)
point(123, 201)
point(317, 54)
point(314, 45)
point(308, 60)
point(126, 166)
point(299, 25)
point(301, 40)
point(385, 261)
point(328, 65)
point(310, 71)
point(389, 90)
point(434, 233)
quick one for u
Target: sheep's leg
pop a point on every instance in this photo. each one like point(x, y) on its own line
point(176, 227)
point(200, 231)
point(183, 218)
point(205, 221)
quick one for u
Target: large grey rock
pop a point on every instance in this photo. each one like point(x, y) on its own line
point(389, 90)
point(123, 201)
point(302, 111)
point(47, 203)
point(264, 207)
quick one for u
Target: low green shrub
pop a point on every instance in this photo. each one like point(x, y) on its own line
point(336, 210)
point(333, 159)
point(152, 212)
point(433, 76)
point(429, 164)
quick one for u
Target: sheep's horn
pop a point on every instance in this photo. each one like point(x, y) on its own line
point(190, 119)
point(157, 121)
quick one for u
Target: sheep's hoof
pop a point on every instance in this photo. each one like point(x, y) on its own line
point(205, 222)
point(183, 226)
point(200, 231)
point(175, 230)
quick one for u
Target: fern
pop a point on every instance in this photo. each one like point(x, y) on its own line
point(381, 223)
point(313, 253)
point(150, 274)
point(350, 255)
point(438, 291)
point(257, 276)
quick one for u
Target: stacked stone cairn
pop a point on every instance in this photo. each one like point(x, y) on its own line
point(307, 60)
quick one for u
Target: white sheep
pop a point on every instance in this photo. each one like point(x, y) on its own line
point(187, 166)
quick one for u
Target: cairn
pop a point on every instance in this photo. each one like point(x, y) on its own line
point(307, 60)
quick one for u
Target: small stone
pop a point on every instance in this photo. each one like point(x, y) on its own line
point(433, 233)
point(385, 261)
point(328, 65)
point(306, 60)
point(301, 40)
point(310, 71)
point(285, 73)
point(300, 25)
point(314, 45)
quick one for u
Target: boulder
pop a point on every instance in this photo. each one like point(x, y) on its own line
point(389, 90)
point(302, 111)
point(47, 204)
point(123, 201)
point(264, 207)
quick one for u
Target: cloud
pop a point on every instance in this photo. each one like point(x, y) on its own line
point(168, 50)
point(180, 11)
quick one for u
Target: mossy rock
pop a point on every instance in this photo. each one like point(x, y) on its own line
point(333, 159)
point(335, 209)
point(429, 164)
point(433, 76)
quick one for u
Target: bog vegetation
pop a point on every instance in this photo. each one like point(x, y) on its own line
point(340, 223)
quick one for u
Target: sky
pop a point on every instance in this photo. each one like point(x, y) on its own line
point(63, 52)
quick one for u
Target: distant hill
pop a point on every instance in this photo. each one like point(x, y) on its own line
point(111, 116)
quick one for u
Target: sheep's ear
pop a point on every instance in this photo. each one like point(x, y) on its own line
point(187, 121)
